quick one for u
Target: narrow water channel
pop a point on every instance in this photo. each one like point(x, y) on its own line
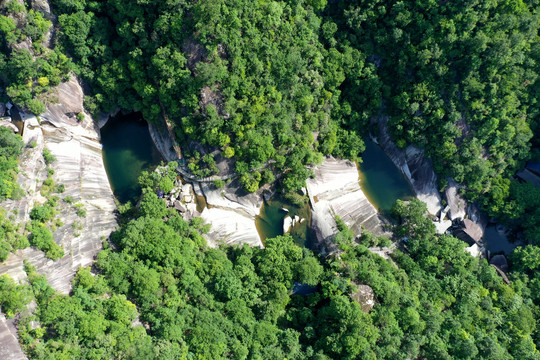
point(381, 181)
point(128, 150)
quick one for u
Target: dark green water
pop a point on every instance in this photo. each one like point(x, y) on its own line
point(497, 242)
point(270, 221)
point(128, 150)
point(381, 181)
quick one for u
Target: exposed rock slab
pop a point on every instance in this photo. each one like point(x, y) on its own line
point(335, 190)
point(79, 167)
point(9, 345)
point(231, 213)
point(470, 232)
point(228, 227)
point(414, 165)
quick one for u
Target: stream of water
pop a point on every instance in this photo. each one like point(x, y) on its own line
point(128, 150)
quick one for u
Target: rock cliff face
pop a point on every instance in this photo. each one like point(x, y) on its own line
point(335, 190)
point(414, 165)
point(79, 167)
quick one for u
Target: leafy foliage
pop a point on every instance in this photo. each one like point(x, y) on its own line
point(42, 238)
point(28, 72)
point(10, 148)
point(13, 297)
point(432, 301)
point(10, 237)
point(459, 79)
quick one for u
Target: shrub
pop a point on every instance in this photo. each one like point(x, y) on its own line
point(48, 156)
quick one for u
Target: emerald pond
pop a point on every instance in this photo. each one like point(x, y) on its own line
point(128, 150)
point(381, 181)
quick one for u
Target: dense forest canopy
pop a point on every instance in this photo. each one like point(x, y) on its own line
point(432, 300)
point(273, 86)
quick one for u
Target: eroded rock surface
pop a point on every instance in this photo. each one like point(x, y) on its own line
point(9, 345)
point(456, 202)
point(79, 167)
point(365, 296)
point(231, 213)
point(335, 190)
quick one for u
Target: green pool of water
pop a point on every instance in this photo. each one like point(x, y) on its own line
point(128, 150)
point(270, 221)
point(381, 181)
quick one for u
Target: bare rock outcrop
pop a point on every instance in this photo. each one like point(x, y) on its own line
point(9, 344)
point(79, 167)
point(9, 125)
point(364, 295)
point(231, 213)
point(335, 190)
point(457, 204)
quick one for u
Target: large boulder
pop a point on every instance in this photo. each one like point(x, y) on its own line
point(287, 224)
point(43, 7)
point(364, 295)
point(70, 98)
point(9, 125)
